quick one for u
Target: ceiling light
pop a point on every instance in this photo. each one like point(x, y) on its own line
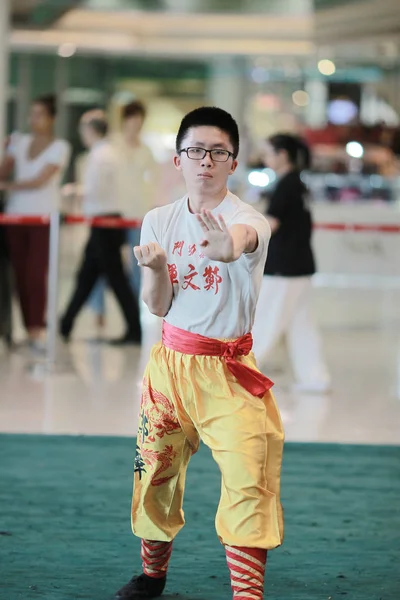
point(66, 50)
point(258, 179)
point(300, 98)
point(354, 149)
point(326, 67)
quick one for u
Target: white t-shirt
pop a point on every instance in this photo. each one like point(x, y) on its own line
point(100, 182)
point(138, 173)
point(210, 298)
point(43, 200)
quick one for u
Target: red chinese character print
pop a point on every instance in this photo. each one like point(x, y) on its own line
point(192, 249)
point(173, 273)
point(188, 279)
point(201, 255)
point(179, 247)
point(212, 279)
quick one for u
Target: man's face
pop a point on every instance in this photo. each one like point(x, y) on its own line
point(132, 126)
point(206, 175)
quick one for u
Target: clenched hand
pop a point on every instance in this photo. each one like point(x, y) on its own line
point(151, 255)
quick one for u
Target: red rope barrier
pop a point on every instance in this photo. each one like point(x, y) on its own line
point(24, 219)
point(120, 223)
point(112, 222)
point(108, 222)
point(358, 227)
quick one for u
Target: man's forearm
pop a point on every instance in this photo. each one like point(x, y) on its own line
point(244, 238)
point(157, 291)
point(37, 182)
point(28, 184)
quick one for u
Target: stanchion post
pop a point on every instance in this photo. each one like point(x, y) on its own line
point(52, 288)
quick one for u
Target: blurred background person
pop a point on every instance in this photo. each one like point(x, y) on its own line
point(138, 173)
point(5, 278)
point(37, 161)
point(102, 257)
point(284, 307)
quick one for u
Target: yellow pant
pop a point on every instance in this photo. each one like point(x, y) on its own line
point(187, 398)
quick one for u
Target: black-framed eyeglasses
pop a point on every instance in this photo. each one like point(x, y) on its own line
point(217, 154)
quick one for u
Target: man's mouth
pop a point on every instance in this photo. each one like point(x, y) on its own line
point(205, 175)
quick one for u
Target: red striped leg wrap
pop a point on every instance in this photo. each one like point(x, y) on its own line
point(247, 569)
point(155, 557)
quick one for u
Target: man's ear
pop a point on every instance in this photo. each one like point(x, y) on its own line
point(177, 162)
point(234, 166)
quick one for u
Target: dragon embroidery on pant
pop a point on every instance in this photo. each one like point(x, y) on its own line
point(159, 414)
point(157, 419)
point(163, 458)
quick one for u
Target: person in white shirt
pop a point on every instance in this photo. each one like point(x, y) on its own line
point(103, 251)
point(202, 259)
point(38, 161)
point(138, 180)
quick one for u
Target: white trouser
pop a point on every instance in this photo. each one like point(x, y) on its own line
point(284, 310)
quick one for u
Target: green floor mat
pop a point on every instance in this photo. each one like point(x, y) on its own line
point(65, 531)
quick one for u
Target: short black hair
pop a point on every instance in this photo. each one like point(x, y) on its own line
point(49, 101)
point(132, 109)
point(296, 148)
point(100, 126)
point(211, 116)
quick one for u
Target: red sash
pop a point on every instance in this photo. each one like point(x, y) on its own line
point(192, 343)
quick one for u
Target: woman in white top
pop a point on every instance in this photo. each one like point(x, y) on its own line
point(38, 162)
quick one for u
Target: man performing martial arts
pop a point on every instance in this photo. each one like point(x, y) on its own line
point(203, 259)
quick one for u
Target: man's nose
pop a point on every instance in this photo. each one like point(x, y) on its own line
point(207, 160)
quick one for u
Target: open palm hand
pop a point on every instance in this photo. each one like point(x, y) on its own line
point(217, 243)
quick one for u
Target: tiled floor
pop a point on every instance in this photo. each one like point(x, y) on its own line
point(94, 388)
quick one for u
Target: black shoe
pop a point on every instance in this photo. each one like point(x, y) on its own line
point(64, 330)
point(141, 587)
point(127, 340)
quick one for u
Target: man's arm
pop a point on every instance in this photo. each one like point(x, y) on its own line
point(6, 167)
point(245, 240)
point(157, 289)
point(31, 184)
